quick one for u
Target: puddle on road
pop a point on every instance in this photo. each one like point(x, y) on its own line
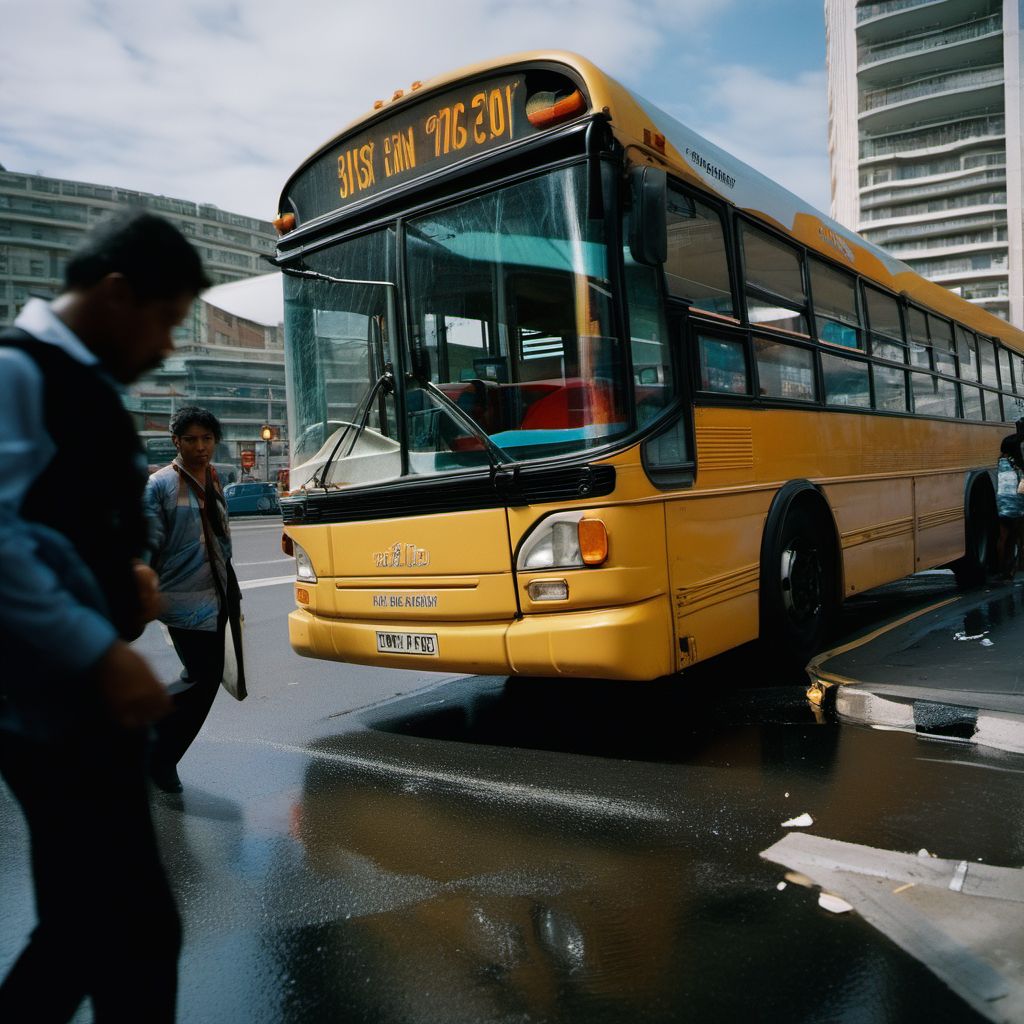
point(514, 852)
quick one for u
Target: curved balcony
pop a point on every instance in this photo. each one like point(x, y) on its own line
point(937, 96)
point(890, 18)
point(946, 135)
point(977, 42)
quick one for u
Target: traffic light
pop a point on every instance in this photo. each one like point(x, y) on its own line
point(267, 432)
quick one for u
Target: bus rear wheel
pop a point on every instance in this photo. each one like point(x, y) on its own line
point(798, 588)
point(979, 537)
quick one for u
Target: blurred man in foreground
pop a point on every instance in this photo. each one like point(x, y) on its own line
point(75, 699)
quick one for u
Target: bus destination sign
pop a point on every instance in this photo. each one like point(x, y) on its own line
point(441, 130)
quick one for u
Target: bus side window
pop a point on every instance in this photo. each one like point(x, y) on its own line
point(697, 268)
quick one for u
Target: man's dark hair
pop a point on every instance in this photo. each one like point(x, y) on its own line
point(193, 415)
point(155, 258)
point(1010, 447)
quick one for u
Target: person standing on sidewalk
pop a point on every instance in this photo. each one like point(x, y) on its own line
point(1010, 506)
point(75, 699)
point(190, 550)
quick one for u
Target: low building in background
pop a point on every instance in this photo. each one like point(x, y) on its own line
point(235, 368)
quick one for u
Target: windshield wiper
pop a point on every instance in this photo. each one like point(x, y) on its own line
point(495, 455)
point(386, 383)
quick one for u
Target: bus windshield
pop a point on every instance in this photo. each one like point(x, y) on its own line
point(511, 353)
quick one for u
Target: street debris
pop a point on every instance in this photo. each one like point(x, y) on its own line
point(987, 643)
point(962, 924)
point(800, 821)
point(832, 903)
point(962, 635)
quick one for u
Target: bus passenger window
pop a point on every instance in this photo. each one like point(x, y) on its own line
point(967, 350)
point(972, 402)
point(774, 282)
point(917, 335)
point(891, 389)
point(697, 268)
point(835, 305)
point(785, 371)
point(993, 413)
point(987, 361)
point(933, 396)
point(846, 381)
point(1004, 368)
point(723, 365)
point(943, 350)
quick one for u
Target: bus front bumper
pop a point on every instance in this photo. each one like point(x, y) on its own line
point(631, 642)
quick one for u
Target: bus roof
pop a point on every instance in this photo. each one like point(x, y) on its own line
point(656, 137)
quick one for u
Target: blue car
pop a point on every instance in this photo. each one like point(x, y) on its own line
point(251, 499)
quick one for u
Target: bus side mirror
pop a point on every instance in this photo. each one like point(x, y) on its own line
point(648, 224)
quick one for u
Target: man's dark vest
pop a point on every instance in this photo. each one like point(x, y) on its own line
point(91, 490)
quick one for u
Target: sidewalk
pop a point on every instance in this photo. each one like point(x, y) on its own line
point(954, 669)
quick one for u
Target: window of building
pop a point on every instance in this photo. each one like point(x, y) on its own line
point(697, 268)
point(846, 381)
point(785, 371)
point(723, 365)
point(774, 281)
point(834, 294)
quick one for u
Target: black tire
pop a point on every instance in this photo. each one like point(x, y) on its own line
point(980, 529)
point(798, 585)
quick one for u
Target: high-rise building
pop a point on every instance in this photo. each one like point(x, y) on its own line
point(925, 138)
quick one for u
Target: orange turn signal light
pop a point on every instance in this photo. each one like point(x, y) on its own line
point(283, 223)
point(544, 109)
point(593, 538)
point(302, 596)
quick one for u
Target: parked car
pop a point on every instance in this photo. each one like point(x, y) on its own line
point(251, 499)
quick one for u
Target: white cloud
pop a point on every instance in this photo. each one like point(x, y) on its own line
point(218, 101)
point(779, 127)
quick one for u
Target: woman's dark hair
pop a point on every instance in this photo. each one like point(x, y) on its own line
point(193, 415)
point(1010, 447)
point(156, 259)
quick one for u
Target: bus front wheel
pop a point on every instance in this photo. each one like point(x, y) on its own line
point(798, 585)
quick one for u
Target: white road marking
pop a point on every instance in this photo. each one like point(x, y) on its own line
point(270, 581)
point(269, 561)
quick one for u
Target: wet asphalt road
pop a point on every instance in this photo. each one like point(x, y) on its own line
point(363, 845)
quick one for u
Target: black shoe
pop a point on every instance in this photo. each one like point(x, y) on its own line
point(165, 777)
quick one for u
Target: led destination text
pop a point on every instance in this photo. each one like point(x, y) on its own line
point(481, 120)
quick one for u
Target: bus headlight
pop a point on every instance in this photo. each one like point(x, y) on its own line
point(566, 540)
point(303, 565)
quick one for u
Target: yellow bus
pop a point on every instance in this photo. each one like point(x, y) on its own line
point(574, 392)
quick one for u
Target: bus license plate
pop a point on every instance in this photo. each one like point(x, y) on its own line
point(407, 643)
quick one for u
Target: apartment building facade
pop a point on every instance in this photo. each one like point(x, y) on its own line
point(925, 139)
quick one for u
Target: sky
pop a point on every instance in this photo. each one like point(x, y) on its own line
point(218, 101)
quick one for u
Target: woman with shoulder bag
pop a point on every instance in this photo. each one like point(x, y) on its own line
point(190, 550)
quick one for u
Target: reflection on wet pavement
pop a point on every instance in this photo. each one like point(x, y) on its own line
point(511, 851)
